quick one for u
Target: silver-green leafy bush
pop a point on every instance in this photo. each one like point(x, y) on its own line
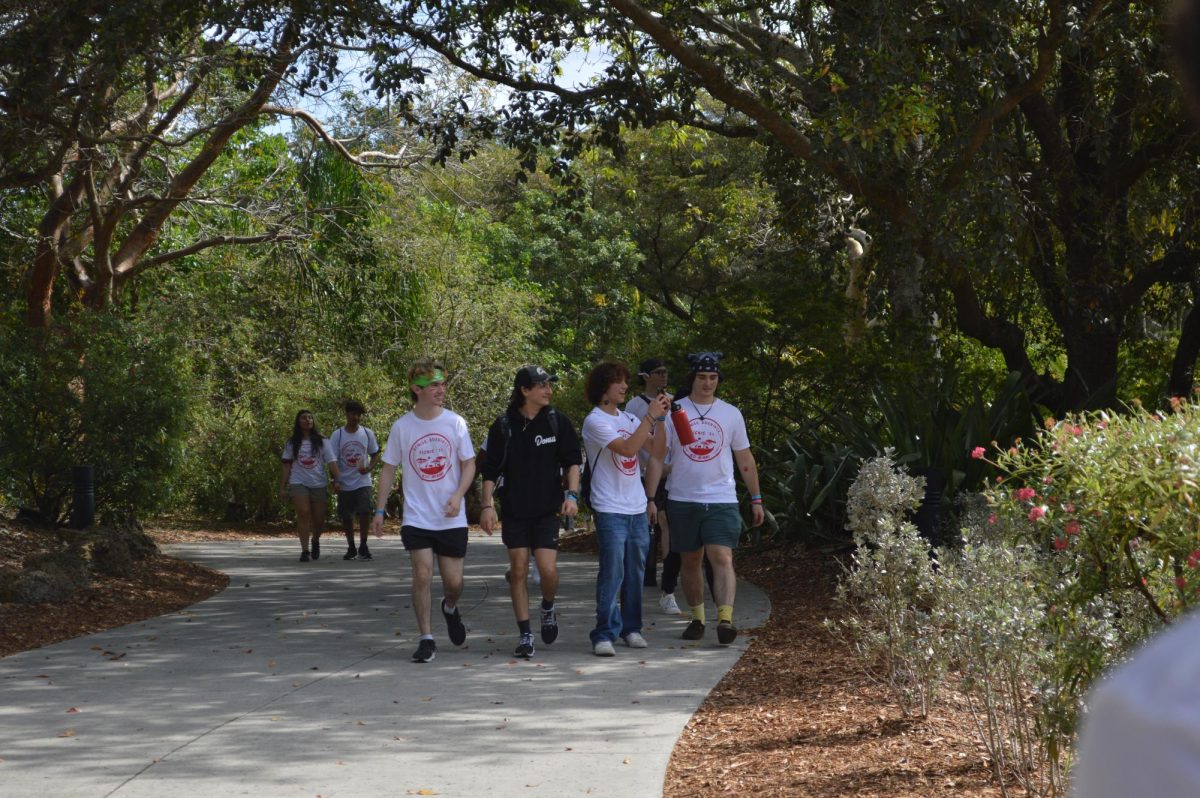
point(887, 593)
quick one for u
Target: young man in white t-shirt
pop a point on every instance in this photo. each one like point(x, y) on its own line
point(703, 505)
point(621, 507)
point(653, 375)
point(357, 454)
point(434, 447)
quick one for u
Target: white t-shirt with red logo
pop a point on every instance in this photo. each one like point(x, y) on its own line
point(616, 480)
point(703, 471)
point(430, 454)
point(309, 468)
point(354, 449)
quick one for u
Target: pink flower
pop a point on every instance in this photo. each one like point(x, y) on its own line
point(1025, 494)
point(1076, 431)
point(1013, 451)
point(1071, 527)
point(1036, 513)
point(978, 452)
point(1070, 508)
point(1060, 543)
point(992, 520)
point(1193, 559)
point(1181, 583)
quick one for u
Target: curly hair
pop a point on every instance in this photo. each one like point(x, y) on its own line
point(602, 376)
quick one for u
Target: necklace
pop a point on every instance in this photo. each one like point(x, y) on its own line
point(695, 406)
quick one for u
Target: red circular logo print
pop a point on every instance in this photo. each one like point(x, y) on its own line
point(430, 457)
point(307, 458)
point(709, 440)
point(628, 466)
point(353, 453)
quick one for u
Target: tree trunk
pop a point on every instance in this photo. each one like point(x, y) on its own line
point(1186, 351)
point(1091, 379)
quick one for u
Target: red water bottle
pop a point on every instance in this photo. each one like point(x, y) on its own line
point(683, 427)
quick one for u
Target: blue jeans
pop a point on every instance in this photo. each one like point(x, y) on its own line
point(624, 543)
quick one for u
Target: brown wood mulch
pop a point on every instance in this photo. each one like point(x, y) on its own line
point(795, 716)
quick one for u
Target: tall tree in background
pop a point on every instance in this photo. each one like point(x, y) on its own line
point(998, 146)
point(114, 113)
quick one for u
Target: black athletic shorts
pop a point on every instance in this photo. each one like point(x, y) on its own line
point(355, 502)
point(444, 542)
point(530, 533)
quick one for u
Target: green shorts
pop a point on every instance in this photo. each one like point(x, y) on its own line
point(694, 525)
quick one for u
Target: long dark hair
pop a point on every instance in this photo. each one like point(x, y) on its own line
point(314, 437)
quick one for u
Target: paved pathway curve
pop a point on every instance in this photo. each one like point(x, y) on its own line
point(296, 681)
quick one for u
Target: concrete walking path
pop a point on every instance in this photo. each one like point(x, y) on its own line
point(297, 681)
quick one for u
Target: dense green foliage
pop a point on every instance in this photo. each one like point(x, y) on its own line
point(103, 390)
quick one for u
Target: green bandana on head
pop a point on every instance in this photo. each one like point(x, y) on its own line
point(424, 381)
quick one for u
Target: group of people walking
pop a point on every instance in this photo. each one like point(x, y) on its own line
point(632, 468)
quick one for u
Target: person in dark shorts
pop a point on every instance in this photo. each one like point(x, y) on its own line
point(702, 503)
point(434, 448)
point(531, 449)
point(357, 453)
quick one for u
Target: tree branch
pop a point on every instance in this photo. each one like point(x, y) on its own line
point(1047, 46)
point(384, 159)
point(209, 243)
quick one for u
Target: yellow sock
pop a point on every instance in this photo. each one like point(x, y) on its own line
point(698, 612)
point(725, 613)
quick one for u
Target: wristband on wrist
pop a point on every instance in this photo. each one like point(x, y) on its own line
point(381, 512)
point(756, 501)
point(570, 494)
point(486, 507)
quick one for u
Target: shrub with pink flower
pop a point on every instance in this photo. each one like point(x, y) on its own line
point(1036, 513)
point(1025, 494)
point(978, 452)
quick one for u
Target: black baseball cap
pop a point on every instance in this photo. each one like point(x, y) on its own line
point(650, 364)
point(529, 376)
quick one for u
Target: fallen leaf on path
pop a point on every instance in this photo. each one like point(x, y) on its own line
point(360, 723)
point(68, 733)
point(72, 710)
point(626, 761)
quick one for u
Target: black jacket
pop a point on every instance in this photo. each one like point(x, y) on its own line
point(537, 458)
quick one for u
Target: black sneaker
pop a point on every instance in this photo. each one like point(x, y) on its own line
point(304, 556)
point(350, 554)
point(426, 651)
point(316, 548)
point(549, 627)
point(454, 625)
point(694, 630)
point(364, 553)
point(525, 647)
point(726, 633)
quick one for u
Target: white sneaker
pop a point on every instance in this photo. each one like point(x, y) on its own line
point(635, 640)
point(667, 604)
point(604, 648)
